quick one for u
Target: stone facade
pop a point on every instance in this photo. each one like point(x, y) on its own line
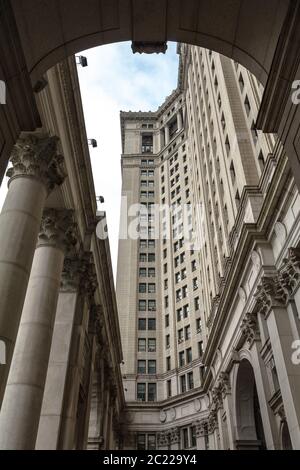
point(208, 323)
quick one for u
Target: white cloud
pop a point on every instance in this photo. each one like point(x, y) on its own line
point(116, 79)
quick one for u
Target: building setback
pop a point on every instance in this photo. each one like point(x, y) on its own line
point(207, 292)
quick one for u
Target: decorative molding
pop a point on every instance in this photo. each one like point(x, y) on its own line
point(269, 294)
point(174, 435)
point(58, 229)
point(163, 439)
point(149, 47)
point(250, 327)
point(36, 155)
point(289, 273)
point(74, 271)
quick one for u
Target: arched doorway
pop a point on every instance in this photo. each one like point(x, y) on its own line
point(250, 433)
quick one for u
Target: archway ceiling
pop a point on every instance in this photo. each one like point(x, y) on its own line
point(244, 30)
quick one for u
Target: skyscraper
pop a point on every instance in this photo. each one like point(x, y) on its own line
point(199, 236)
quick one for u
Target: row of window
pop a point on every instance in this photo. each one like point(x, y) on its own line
point(147, 194)
point(146, 324)
point(144, 272)
point(146, 392)
point(151, 305)
point(142, 366)
point(187, 436)
point(150, 288)
point(143, 342)
point(147, 173)
point(144, 257)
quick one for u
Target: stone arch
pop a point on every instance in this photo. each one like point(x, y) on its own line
point(249, 428)
point(247, 32)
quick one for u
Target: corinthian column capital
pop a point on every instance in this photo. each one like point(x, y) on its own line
point(58, 229)
point(270, 293)
point(36, 156)
point(250, 327)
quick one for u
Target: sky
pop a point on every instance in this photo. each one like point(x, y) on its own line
point(115, 80)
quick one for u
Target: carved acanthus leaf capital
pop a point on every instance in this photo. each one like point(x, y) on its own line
point(174, 434)
point(250, 327)
point(289, 273)
point(36, 155)
point(269, 294)
point(163, 439)
point(58, 229)
point(96, 320)
point(224, 383)
point(201, 426)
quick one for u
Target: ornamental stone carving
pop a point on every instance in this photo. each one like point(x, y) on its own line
point(75, 271)
point(212, 421)
point(256, 260)
point(224, 383)
point(149, 47)
point(269, 294)
point(58, 229)
point(163, 439)
point(36, 155)
point(201, 426)
point(96, 320)
point(250, 327)
point(174, 434)
point(289, 273)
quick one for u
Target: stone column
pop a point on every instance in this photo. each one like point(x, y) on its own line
point(201, 428)
point(76, 362)
point(167, 135)
point(21, 408)
point(36, 169)
point(55, 388)
point(179, 121)
point(271, 301)
point(251, 331)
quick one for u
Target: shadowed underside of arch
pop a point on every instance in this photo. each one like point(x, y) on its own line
point(246, 31)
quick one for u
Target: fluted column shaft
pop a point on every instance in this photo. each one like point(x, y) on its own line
point(22, 402)
point(36, 169)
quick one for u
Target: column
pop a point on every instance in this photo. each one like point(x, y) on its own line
point(21, 408)
point(76, 362)
point(271, 301)
point(36, 169)
point(167, 135)
point(52, 407)
point(179, 121)
point(201, 428)
point(174, 438)
point(251, 331)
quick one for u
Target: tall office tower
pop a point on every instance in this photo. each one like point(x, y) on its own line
point(186, 278)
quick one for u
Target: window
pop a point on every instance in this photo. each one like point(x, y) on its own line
point(152, 367)
point(241, 82)
point(151, 173)
point(143, 243)
point(141, 392)
point(190, 380)
point(151, 345)
point(186, 311)
point(141, 441)
point(196, 303)
point(165, 268)
point(152, 305)
point(200, 348)
point(187, 332)
point(142, 324)
point(141, 367)
point(151, 324)
point(193, 439)
point(151, 243)
point(254, 133)
point(143, 272)
point(178, 295)
point(182, 383)
point(168, 363)
point(151, 272)
point(185, 438)
point(143, 257)
point(147, 144)
point(142, 305)
point(167, 321)
point(151, 439)
point(177, 277)
point(141, 345)
point(151, 392)
point(179, 314)
point(184, 291)
point(189, 355)
point(167, 341)
point(195, 283)
point(169, 388)
point(142, 288)
point(227, 144)
point(198, 325)
point(247, 105)
point(151, 288)
point(181, 359)
point(151, 257)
